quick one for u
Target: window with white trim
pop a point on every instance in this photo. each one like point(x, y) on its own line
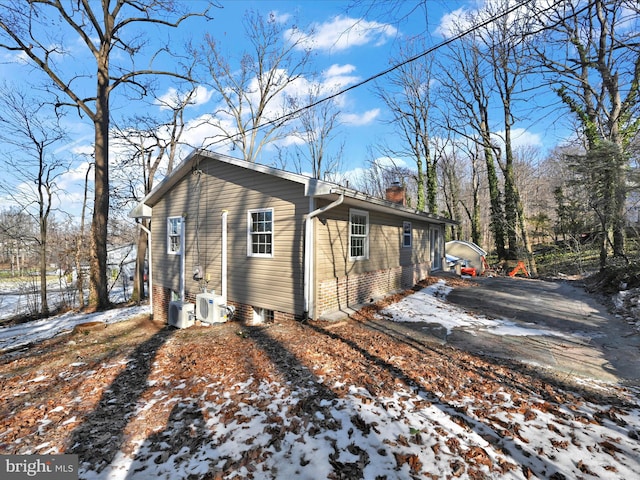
point(174, 235)
point(260, 232)
point(263, 315)
point(406, 234)
point(358, 234)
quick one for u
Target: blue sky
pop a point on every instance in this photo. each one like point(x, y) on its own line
point(351, 41)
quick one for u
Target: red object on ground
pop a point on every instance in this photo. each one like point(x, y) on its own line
point(468, 271)
point(519, 267)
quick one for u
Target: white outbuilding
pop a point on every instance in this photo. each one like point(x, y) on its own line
point(468, 253)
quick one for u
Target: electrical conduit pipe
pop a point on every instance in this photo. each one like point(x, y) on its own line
point(225, 213)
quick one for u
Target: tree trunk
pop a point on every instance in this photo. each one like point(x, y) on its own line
point(98, 291)
point(475, 216)
point(139, 274)
point(80, 243)
point(44, 304)
point(497, 219)
point(420, 183)
point(432, 184)
point(510, 212)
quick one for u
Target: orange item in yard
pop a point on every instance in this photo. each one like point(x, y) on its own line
point(468, 271)
point(520, 266)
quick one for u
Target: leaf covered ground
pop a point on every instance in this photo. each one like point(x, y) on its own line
point(341, 400)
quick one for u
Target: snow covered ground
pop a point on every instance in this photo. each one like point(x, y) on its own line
point(18, 300)
point(270, 429)
point(22, 334)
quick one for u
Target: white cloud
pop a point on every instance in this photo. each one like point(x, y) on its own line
point(338, 76)
point(390, 162)
point(172, 98)
point(341, 33)
point(463, 18)
point(279, 17)
point(336, 70)
point(73, 176)
point(358, 120)
point(520, 137)
point(453, 22)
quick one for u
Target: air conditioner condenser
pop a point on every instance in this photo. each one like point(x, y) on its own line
point(181, 315)
point(210, 309)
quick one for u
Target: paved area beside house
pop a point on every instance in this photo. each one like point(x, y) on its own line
point(581, 338)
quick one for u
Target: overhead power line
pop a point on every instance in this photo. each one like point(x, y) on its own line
point(282, 119)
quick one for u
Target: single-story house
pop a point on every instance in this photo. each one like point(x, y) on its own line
point(274, 244)
point(469, 253)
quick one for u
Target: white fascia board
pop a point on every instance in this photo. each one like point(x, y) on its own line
point(141, 210)
point(367, 202)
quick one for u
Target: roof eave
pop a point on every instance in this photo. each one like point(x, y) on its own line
point(365, 201)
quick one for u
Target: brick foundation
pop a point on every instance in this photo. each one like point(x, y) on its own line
point(243, 313)
point(332, 295)
point(337, 293)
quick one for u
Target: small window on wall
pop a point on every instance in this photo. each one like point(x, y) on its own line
point(406, 234)
point(262, 315)
point(260, 233)
point(174, 235)
point(358, 235)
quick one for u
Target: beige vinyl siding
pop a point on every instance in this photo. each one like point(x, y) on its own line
point(385, 244)
point(273, 283)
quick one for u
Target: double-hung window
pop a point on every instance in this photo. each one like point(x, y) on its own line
point(406, 234)
point(260, 233)
point(174, 235)
point(358, 234)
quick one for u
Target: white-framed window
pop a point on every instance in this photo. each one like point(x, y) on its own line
point(406, 234)
point(260, 232)
point(358, 234)
point(174, 235)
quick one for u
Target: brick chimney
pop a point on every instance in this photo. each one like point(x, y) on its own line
point(396, 194)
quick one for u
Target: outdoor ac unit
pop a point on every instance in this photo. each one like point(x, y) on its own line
point(209, 308)
point(181, 314)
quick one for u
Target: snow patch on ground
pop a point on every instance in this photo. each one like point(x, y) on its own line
point(395, 437)
point(27, 333)
point(429, 306)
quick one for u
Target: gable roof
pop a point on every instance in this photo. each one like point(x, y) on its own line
point(469, 245)
point(312, 188)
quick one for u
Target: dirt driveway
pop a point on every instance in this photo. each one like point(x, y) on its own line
point(581, 338)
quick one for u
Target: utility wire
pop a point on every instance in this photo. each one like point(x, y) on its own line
point(282, 119)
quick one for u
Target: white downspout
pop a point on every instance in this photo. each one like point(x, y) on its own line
point(148, 232)
point(309, 250)
point(183, 242)
point(225, 213)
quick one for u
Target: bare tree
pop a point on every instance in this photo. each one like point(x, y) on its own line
point(449, 168)
point(17, 231)
point(151, 146)
point(80, 254)
point(102, 27)
point(256, 92)
point(465, 83)
point(383, 172)
point(409, 99)
point(505, 40)
point(317, 130)
point(31, 167)
point(461, 182)
point(590, 54)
